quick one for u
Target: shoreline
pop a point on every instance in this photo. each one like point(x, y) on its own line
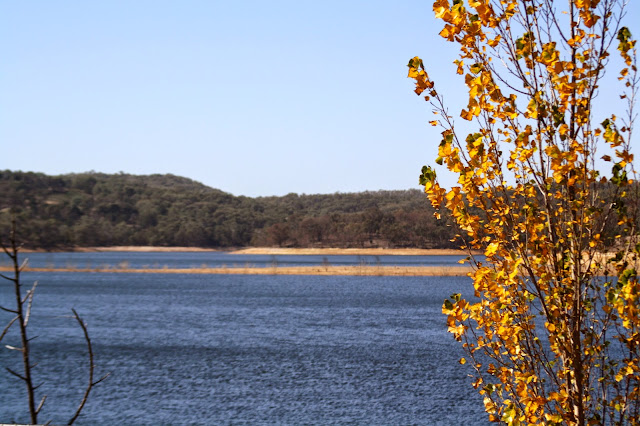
point(351, 251)
point(135, 249)
point(268, 251)
point(357, 270)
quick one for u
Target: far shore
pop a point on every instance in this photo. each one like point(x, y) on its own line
point(274, 251)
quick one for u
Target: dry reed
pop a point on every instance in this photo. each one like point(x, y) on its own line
point(357, 270)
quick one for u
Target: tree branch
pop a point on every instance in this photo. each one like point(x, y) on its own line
point(91, 383)
point(6, 329)
point(24, 264)
point(2, 308)
point(29, 296)
point(13, 348)
point(15, 374)
point(44, 398)
point(7, 278)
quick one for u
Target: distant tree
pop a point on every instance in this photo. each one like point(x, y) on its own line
point(84, 183)
point(314, 229)
point(279, 233)
point(554, 337)
point(372, 220)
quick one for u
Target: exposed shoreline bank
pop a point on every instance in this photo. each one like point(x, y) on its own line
point(358, 270)
point(271, 251)
point(351, 251)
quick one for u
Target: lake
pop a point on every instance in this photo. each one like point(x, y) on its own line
point(245, 349)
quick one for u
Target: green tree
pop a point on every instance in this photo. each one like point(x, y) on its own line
point(554, 336)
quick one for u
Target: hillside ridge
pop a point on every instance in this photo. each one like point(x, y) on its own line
point(98, 209)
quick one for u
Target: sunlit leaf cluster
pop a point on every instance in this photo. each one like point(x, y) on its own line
point(547, 191)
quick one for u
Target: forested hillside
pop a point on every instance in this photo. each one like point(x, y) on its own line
point(95, 209)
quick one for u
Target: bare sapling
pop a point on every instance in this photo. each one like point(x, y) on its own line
point(22, 314)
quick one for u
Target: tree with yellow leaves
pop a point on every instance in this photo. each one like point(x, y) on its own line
point(553, 334)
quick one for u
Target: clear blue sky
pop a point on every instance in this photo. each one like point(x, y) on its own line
point(252, 97)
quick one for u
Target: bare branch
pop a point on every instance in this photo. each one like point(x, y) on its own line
point(15, 374)
point(2, 308)
point(7, 278)
point(29, 292)
point(13, 348)
point(6, 250)
point(24, 264)
point(22, 321)
point(102, 378)
point(44, 398)
point(91, 383)
point(29, 296)
point(6, 329)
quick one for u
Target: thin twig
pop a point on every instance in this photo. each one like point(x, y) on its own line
point(13, 348)
point(24, 263)
point(15, 374)
point(7, 278)
point(91, 383)
point(44, 398)
point(6, 329)
point(29, 296)
point(2, 308)
point(5, 249)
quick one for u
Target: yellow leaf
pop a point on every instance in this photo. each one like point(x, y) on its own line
point(441, 9)
point(532, 109)
point(494, 42)
point(491, 249)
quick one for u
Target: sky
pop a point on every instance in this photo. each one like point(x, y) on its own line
point(254, 98)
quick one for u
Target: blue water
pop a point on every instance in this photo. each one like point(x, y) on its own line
point(220, 259)
point(232, 349)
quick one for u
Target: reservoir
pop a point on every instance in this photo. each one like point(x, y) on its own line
point(243, 349)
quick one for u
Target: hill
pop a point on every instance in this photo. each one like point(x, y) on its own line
point(96, 209)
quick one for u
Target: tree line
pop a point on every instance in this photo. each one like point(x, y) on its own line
point(96, 209)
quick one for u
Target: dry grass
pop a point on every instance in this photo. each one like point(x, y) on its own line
point(350, 251)
point(366, 270)
point(276, 251)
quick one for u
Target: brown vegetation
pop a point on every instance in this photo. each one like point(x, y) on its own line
point(350, 251)
point(362, 270)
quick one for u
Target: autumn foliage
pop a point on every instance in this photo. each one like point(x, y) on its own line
point(548, 190)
